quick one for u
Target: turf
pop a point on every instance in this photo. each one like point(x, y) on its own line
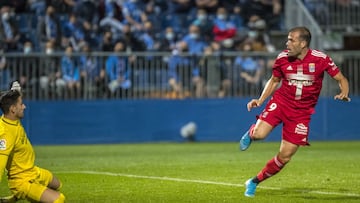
point(201, 172)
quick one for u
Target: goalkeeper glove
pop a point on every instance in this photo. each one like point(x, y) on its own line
point(15, 85)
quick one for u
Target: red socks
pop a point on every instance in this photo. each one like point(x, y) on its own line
point(272, 167)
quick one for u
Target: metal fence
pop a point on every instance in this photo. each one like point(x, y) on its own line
point(296, 14)
point(336, 15)
point(152, 75)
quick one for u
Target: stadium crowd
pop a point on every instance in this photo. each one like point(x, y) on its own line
point(78, 28)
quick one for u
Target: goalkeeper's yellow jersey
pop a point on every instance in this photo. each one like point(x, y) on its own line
point(16, 152)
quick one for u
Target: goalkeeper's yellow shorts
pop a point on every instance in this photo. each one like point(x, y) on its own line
point(31, 184)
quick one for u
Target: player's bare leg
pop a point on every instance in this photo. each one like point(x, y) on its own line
point(50, 195)
point(273, 166)
point(257, 131)
point(55, 184)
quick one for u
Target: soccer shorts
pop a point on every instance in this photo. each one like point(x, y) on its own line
point(295, 122)
point(31, 184)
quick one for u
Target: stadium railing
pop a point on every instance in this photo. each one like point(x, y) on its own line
point(149, 75)
point(296, 14)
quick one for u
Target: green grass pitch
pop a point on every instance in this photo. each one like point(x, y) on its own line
point(200, 172)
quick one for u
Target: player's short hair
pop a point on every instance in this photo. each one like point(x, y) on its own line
point(7, 99)
point(304, 33)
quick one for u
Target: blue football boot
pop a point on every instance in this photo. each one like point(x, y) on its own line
point(246, 139)
point(250, 188)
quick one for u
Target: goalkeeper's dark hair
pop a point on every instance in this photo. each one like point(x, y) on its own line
point(305, 34)
point(7, 99)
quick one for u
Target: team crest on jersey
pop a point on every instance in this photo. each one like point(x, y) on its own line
point(2, 144)
point(311, 67)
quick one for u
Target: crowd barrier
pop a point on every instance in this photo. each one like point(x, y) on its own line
point(85, 76)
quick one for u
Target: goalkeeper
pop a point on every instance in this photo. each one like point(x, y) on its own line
point(25, 180)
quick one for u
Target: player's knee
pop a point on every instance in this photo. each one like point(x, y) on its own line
point(258, 134)
point(59, 187)
point(283, 159)
point(60, 199)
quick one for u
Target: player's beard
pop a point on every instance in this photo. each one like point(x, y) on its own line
point(20, 115)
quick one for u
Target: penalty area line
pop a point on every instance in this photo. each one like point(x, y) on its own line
point(198, 181)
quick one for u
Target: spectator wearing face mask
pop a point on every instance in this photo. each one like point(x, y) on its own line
point(223, 27)
point(205, 25)
point(168, 40)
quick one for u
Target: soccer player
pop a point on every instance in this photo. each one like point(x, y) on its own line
point(25, 180)
point(300, 70)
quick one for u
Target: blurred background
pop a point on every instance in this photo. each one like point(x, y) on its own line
point(113, 71)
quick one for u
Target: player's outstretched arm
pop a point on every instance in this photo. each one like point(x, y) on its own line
point(268, 90)
point(344, 87)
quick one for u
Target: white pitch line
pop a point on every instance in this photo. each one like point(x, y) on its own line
point(200, 181)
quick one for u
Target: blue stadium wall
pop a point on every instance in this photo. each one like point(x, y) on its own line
point(127, 121)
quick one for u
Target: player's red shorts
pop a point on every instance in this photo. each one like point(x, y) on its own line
point(295, 122)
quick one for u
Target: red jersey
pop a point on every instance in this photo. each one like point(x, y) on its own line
point(301, 80)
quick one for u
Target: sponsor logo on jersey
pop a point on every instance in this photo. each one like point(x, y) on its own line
point(311, 67)
point(2, 144)
point(289, 68)
point(301, 129)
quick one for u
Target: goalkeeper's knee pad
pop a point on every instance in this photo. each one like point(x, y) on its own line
point(60, 199)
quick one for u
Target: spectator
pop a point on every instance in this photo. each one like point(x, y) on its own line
point(70, 74)
point(184, 73)
point(107, 42)
point(148, 37)
point(4, 71)
point(26, 71)
point(205, 25)
point(111, 19)
point(49, 28)
point(247, 72)
point(132, 42)
point(153, 13)
point(177, 14)
point(210, 64)
point(37, 7)
point(237, 18)
point(50, 82)
point(92, 77)
point(269, 10)
point(118, 72)
point(134, 14)
point(210, 6)
point(73, 33)
point(223, 28)
point(168, 40)
point(258, 36)
point(9, 33)
point(62, 6)
point(193, 41)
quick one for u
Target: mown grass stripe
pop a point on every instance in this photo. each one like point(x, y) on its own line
point(199, 181)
